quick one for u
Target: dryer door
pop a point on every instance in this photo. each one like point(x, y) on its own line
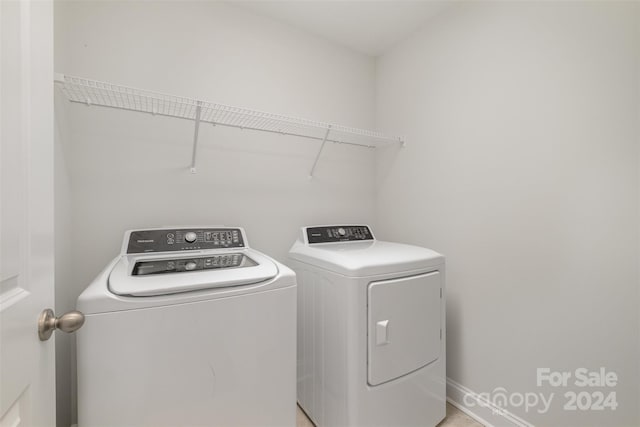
point(404, 325)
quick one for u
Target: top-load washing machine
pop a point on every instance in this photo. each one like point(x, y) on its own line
point(188, 327)
point(371, 329)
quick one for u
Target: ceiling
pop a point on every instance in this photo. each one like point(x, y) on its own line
point(369, 27)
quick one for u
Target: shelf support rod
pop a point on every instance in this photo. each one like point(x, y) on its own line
point(324, 141)
point(195, 137)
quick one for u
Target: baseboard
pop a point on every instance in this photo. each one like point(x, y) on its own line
point(482, 410)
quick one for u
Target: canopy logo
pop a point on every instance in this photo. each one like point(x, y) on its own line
point(499, 400)
point(594, 392)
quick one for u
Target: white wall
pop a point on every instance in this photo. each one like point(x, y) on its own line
point(126, 170)
point(521, 166)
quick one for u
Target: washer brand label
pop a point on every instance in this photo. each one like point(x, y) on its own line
point(144, 241)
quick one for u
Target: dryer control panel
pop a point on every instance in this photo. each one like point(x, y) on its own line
point(183, 239)
point(338, 233)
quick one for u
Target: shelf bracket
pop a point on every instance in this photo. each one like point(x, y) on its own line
point(195, 137)
point(324, 141)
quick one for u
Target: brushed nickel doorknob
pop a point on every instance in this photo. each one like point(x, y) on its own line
point(68, 322)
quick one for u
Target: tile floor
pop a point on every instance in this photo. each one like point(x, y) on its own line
point(455, 418)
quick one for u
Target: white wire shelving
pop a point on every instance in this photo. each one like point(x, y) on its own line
point(93, 92)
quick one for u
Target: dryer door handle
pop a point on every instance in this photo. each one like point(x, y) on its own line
point(382, 332)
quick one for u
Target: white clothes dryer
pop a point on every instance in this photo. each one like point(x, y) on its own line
point(371, 329)
point(188, 327)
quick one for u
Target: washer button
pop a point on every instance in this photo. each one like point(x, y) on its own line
point(190, 237)
point(190, 266)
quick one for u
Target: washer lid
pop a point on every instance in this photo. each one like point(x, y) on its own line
point(358, 259)
point(170, 273)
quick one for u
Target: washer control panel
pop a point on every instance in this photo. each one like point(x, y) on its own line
point(338, 233)
point(184, 239)
point(180, 265)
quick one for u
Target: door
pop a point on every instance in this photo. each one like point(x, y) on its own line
point(404, 325)
point(27, 372)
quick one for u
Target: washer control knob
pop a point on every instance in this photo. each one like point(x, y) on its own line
point(342, 231)
point(190, 266)
point(190, 237)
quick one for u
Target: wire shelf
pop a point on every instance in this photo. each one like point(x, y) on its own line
point(93, 92)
